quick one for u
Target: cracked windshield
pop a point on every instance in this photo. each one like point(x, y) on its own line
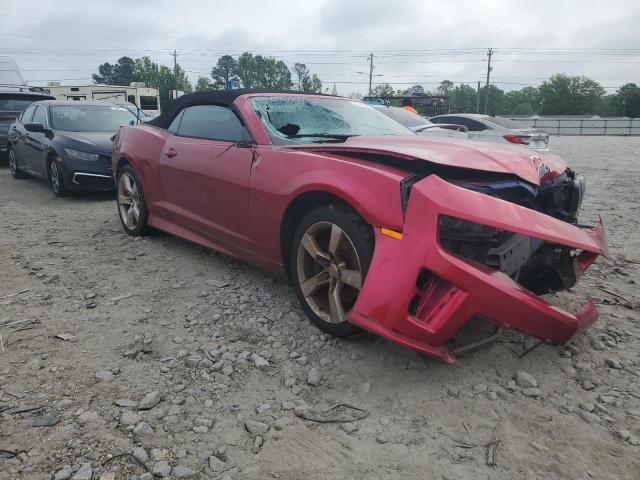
point(291, 119)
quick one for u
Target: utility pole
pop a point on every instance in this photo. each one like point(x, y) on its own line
point(370, 72)
point(478, 98)
point(175, 72)
point(486, 98)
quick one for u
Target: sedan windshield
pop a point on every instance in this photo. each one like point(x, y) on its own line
point(300, 119)
point(405, 117)
point(90, 118)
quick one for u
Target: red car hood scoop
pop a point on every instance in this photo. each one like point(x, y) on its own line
point(490, 157)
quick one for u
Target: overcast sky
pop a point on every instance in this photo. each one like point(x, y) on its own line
point(414, 42)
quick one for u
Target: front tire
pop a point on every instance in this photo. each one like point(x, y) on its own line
point(330, 256)
point(132, 208)
point(56, 179)
point(13, 166)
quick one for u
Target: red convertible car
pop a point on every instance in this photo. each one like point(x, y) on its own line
point(404, 236)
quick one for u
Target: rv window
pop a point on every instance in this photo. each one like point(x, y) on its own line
point(131, 99)
point(147, 102)
point(75, 89)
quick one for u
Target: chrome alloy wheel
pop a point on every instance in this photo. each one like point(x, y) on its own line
point(55, 177)
point(13, 163)
point(128, 201)
point(329, 271)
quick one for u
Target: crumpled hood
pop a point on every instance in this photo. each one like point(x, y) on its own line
point(93, 142)
point(485, 156)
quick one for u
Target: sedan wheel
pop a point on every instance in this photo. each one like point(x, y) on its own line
point(131, 205)
point(13, 165)
point(56, 179)
point(128, 201)
point(333, 249)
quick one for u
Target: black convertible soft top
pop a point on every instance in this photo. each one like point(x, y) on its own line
point(209, 97)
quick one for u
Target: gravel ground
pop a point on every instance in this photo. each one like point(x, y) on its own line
point(141, 357)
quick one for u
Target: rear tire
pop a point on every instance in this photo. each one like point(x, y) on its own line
point(132, 208)
point(330, 256)
point(13, 166)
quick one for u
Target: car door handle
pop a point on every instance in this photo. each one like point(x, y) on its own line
point(170, 152)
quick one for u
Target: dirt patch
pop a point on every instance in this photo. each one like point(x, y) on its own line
point(105, 321)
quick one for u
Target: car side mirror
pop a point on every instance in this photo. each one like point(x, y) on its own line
point(34, 127)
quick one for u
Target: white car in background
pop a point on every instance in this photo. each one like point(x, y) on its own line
point(420, 125)
point(496, 129)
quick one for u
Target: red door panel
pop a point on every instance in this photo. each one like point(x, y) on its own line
point(205, 188)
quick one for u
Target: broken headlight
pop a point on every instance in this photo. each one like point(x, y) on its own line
point(452, 228)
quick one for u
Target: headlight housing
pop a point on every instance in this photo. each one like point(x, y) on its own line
point(90, 157)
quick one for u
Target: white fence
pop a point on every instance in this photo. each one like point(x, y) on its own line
point(582, 126)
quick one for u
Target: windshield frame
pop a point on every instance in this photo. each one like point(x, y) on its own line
point(276, 137)
point(52, 109)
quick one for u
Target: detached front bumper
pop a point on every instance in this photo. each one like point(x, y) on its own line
point(419, 295)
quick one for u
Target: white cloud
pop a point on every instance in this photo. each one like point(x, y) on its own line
point(67, 40)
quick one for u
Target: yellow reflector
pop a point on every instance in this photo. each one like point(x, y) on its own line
point(391, 233)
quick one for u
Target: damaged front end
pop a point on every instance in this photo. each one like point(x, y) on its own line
point(537, 266)
point(479, 249)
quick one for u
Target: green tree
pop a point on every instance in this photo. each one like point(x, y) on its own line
point(522, 109)
point(301, 72)
point(170, 79)
point(497, 104)
point(462, 98)
point(383, 90)
point(226, 69)
point(517, 99)
point(157, 76)
point(413, 90)
point(313, 85)
point(147, 71)
point(263, 72)
point(445, 88)
point(203, 83)
point(247, 70)
point(305, 81)
point(565, 95)
point(121, 73)
point(626, 100)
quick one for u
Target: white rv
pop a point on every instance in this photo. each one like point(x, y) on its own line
point(147, 99)
point(9, 72)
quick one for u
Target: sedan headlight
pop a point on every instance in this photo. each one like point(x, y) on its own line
point(91, 157)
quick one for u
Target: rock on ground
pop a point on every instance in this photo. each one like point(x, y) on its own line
point(525, 380)
point(150, 400)
point(256, 428)
point(85, 472)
